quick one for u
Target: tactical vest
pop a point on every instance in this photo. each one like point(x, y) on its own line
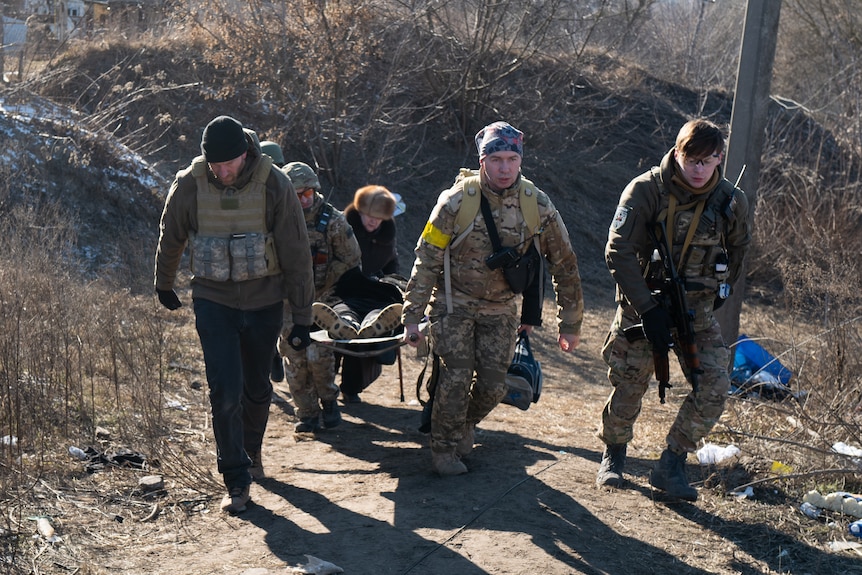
point(232, 241)
point(697, 234)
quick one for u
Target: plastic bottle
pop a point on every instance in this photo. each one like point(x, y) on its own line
point(855, 528)
point(810, 510)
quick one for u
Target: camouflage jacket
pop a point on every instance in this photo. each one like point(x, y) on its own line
point(722, 234)
point(334, 248)
point(474, 285)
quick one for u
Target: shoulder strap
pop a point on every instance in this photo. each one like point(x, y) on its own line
point(489, 224)
point(469, 205)
point(530, 205)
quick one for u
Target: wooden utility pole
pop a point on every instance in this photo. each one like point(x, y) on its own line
point(748, 124)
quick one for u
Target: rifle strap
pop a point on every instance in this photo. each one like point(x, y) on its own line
point(669, 215)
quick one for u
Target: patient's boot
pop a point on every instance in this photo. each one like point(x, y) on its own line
point(380, 323)
point(337, 326)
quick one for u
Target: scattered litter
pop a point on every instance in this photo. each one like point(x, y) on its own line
point(317, 566)
point(78, 453)
point(711, 453)
point(781, 468)
point(855, 528)
point(748, 492)
point(174, 404)
point(839, 501)
point(45, 528)
point(810, 510)
point(850, 450)
point(9, 440)
point(122, 457)
point(758, 373)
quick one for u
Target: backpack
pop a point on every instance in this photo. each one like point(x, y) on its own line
point(524, 377)
point(470, 202)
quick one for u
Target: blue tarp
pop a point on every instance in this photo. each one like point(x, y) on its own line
point(756, 372)
point(750, 355)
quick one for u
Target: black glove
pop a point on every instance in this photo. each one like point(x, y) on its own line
point(299, 337)
point(657, 323)
point(717, 303)
point(169, 299)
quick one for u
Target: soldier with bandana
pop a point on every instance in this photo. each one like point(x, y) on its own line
point(706, 220)
point(473, 309)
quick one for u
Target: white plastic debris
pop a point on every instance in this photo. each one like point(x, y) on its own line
point(9, 440)
point(317, 566)
point(710, 453)
point(746, 493)
point(845, 449)
point(77, 453)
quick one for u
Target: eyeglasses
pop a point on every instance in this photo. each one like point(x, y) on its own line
point(706, 162)
point(305, 192)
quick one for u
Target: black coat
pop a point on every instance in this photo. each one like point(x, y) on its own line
point(379, 248)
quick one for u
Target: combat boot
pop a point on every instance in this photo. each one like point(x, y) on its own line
point(446, 463)
point(337, 326)
point(669, 476)
point(382, 322)
point(307, 425)
point(465, 446)
point(611, 470)
point(331, 414)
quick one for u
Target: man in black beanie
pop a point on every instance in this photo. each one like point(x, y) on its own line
point(245, 230)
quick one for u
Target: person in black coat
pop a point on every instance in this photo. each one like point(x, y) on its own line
point(371, 215)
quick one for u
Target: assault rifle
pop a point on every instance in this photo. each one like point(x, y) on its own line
point(670, 293)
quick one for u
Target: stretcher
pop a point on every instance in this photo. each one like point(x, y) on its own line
point(368, 347)
point(365, 347)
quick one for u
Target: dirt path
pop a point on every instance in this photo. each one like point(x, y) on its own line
point(362, 496)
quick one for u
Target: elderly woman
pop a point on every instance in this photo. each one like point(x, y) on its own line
point(371, 217)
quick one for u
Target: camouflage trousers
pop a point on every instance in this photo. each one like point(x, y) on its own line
point(630, 368)
point(475, 352)
point(310, 375)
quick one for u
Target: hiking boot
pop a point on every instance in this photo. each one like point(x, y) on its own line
point(611, 470)
point(256, 469)
point(669, 476)
point(331, 414)
point(276, 372)
point(382, 322)
point(336, 326)
point(236, 500)
point(307, 425)
point(447, 463)
point(465, 446)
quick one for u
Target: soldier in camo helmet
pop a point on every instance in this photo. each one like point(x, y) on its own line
point(475, 340)
point(311, 372)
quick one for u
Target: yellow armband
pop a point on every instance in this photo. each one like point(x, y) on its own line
point(435, 237)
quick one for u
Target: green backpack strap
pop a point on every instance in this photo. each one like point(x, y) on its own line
point(530, 205)
point(528, 198)
point(469, 203)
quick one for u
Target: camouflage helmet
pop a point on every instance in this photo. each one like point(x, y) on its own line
point(301, 176)
point(272, 150)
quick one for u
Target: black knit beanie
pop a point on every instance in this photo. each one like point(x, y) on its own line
point(223, 140)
